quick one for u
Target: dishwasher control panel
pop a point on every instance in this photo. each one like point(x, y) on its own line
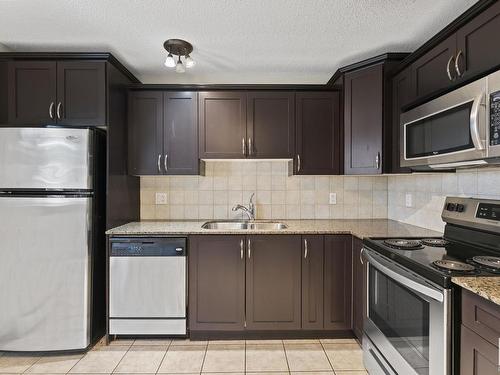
point(144, 247)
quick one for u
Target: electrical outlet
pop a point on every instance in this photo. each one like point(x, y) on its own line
point(333, 198)
point(161, 198)
point(409, 200)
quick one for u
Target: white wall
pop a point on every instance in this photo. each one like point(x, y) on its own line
point(3, 48)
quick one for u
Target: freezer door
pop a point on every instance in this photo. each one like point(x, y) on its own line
point(44, 273)
point(45, 158)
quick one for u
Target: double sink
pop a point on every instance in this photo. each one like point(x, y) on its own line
point(244, 225)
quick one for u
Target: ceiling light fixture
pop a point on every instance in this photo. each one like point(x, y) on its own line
point(179, 48)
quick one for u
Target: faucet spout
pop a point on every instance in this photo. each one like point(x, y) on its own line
point(249, 211)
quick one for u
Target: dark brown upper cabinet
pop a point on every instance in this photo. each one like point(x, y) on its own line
point(312, 282)
point(363, 120)
point(435, 70)
point(270, 124)
point(62, 92)
point(318, 133)
point(222, 122)
point(216, 283)
point(32, 92)
point(359, 289)
point(180, 133)
point(273, 282)
point(338, 282)
point(475, 54)
point(402, 94)
point(163, 138)
point(463, 55)
point(145, 126)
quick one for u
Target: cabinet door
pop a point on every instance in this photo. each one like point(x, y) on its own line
point(475, 51)
point(271, 124)
point(31, 92)
point(273, 282)
point(145, 132)
point(477, 356)
point(312, 282)
point(81, 93)
point(429, 72)
point(402, 94)
point(338, 281)
point(180, 117)
point(318, 133)
point(359, 288)
point(363, 121)
point(222, 122)
point(216, 283)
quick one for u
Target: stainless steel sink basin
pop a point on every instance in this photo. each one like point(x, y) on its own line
point(242, 225)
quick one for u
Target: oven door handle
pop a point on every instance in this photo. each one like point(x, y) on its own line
point(474, 122)
point(408, 281)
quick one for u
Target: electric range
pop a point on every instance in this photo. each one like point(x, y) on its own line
point(412, 307)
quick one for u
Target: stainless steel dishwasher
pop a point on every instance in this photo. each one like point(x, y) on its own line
point(147, 286)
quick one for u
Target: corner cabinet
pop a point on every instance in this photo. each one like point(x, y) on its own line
point(318, 133)
point(69, 93)
point(163, 137)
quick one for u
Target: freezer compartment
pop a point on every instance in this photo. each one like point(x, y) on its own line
point(45, 269)
point(46, 158)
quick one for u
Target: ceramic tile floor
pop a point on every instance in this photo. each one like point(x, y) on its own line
point(164, 356)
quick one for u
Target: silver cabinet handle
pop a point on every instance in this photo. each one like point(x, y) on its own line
point(305, 248)
point(448, 69)
point(165, 162)
point(241, 249)
point(159, 163)
point(298, 163)
point(249, 244)
point(58, 110)
point(243, 147)
point(51, 110)
point(250, 149)
point(377, 160)
point(457, 61)
point(361, 256)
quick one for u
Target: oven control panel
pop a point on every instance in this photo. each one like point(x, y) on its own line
point(495, 118)
point(488, 211)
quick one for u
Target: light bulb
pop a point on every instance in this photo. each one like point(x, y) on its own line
point(170, 62)
point(179, 68)
point(190, 62)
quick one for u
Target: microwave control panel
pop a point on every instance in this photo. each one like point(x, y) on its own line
point(495, 118)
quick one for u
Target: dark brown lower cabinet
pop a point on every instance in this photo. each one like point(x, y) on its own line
point(273, 282)
point(312, 282)
point(338, 282)
point(358, 288)
point(478, 356)
point(216, 283)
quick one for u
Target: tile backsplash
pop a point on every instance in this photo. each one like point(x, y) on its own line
point(277, 194)
point(428, 192)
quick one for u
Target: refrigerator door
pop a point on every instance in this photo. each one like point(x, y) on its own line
point(45, 273)
point(45, 158)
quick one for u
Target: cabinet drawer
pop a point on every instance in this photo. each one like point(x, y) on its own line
point(481, 316)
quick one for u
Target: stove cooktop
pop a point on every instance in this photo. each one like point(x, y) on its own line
point(435, 258)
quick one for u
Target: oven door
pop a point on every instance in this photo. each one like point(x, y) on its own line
point(448, 130)
point(407, 320)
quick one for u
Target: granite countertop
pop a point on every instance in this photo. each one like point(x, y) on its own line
point(485, 286)
point(358, 227)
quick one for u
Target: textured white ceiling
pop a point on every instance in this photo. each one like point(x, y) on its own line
point(235, 41)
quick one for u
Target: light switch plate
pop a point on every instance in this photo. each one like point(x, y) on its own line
point(333, 198)
point(161, 198)
point(409, 200)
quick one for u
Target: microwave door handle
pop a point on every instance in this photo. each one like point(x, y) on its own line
point(402, 279)
point(474, 122)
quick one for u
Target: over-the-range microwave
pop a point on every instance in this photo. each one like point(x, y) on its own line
point(458, 129)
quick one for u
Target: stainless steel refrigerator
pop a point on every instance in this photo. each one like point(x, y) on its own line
point(51, 238)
